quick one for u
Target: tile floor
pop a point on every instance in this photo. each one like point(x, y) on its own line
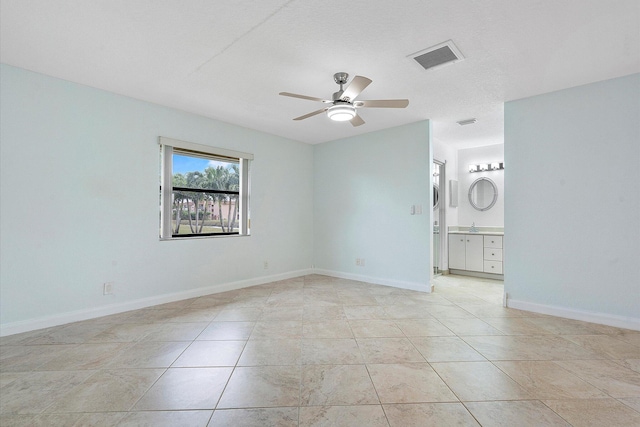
point(318, 351)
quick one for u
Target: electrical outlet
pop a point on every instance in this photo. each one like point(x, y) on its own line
point(266, 265)
point(107, 288)
point(361, 262)
point(357, 261)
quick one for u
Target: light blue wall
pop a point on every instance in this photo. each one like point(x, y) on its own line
point(79, 186)
point(572, 204)
point(79, 201)
point(364, 188)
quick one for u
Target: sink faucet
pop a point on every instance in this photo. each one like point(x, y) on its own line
point(473, 228)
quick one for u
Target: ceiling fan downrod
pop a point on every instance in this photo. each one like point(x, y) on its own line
point(340, 78)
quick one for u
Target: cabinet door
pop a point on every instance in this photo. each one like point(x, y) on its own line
point(474, 251)
point(457, 251)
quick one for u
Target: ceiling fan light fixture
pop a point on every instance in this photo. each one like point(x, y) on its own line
point(341, 112)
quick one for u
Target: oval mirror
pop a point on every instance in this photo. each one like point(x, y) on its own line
point(436, 195)
point(483, 194)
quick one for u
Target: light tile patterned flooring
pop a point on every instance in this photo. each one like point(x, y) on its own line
point(317, 351)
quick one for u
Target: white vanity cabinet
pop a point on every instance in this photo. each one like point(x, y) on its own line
point(474, 253)
point(466, 252)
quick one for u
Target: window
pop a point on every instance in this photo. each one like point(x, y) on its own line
point(204, 191)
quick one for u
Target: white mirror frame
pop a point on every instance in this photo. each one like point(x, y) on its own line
point(495, 194)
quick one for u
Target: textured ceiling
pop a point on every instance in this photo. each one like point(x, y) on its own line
point(228, 59)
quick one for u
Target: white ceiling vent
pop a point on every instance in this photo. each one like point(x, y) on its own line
point(438, 55)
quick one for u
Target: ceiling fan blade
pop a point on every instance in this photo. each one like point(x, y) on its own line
point(306, 116)
point(357, 85)
point(383, 103)
point(310, 98)
point(356, 121)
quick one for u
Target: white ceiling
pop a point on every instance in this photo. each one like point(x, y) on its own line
point(228, 59)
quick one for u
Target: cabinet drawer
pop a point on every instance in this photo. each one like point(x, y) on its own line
point(493, 241)
point(492, 254)
point(494, 267)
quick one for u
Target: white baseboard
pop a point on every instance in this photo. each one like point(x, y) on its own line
point(480, 274)
point(91, 313)
point(570, 313)
point(414, 286)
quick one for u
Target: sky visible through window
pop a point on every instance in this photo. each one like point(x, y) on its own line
point(185, 164)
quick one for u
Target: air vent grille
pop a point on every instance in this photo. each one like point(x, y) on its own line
point(436, 56)
point(467, 122)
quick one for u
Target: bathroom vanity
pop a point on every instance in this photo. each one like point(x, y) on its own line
point(479, 253)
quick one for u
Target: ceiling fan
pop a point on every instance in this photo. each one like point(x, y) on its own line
point(343, 104)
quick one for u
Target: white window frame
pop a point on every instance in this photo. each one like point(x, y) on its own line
point(167, 146)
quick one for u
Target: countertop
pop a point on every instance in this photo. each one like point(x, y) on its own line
point(490, 233)
point(488, 230)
